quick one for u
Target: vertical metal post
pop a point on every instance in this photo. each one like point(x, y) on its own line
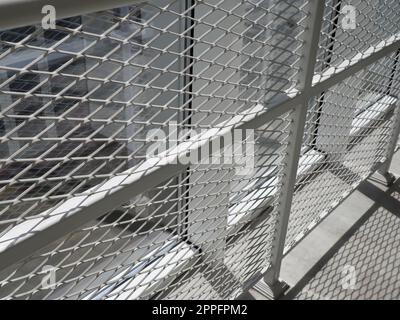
point(385, 169)
point(307, 64)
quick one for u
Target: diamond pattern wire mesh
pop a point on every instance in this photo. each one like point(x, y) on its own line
point(349, 126)
point(151, 244)
point(370, 256)
point(79, 101)
point(77, 104)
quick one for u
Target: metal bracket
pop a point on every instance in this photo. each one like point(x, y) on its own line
point(272, 291)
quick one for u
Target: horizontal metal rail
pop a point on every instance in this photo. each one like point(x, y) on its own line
point(96, 202)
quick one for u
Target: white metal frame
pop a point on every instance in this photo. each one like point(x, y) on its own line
point(299, 115)
point(19, 13)
point(97, 201)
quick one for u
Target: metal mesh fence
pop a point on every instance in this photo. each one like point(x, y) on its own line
point(353, 27)
point(82, 104)
point(79, 102)
point(201, 237)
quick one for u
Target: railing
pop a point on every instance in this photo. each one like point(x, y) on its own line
point(87, 214)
